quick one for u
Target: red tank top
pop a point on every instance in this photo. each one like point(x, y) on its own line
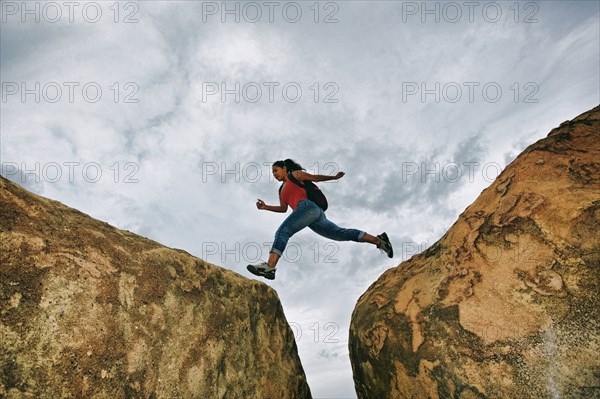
point(291, 194)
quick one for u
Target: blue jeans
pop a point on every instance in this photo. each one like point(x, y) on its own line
point(307, 213)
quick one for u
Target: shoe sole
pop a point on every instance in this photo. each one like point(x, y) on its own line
point(269, 275)
point(385, 238)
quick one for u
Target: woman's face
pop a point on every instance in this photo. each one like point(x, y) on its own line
point(279, 172)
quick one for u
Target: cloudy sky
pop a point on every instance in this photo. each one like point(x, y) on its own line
point(163, 118)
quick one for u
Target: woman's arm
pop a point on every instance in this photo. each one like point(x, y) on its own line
point(282, 208)
point(302, 175)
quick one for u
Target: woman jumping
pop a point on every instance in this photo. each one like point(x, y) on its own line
point(305, 213)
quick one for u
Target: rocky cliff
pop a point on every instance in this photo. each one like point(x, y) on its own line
point(90, 311)
point(506, 304)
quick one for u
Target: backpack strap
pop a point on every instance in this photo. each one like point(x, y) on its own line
point(295, 181)
point(312, 192)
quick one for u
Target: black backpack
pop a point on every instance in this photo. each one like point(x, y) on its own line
point(312, 191)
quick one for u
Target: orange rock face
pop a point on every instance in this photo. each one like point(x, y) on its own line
point(91, 311)
point(506, 304)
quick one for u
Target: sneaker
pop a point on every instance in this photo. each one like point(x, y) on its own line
point(262, 269)
point(385, 245)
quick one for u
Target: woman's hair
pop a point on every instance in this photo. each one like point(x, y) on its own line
point(290, 165)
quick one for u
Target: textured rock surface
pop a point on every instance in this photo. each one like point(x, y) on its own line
point(87, 310)
point(506, 304)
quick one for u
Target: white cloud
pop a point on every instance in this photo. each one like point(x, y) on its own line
point(176, 133)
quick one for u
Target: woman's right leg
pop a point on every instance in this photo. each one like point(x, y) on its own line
point(305, 213)
point(273, 259)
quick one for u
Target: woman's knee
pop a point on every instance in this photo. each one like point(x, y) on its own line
point(283, 232)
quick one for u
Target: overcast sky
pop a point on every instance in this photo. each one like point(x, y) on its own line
point(163, 118)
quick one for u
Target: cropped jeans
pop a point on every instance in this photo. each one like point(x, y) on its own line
point(308, 214)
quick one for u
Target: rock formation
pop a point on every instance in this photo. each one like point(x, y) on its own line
point(91, 311)
point(506, 304)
